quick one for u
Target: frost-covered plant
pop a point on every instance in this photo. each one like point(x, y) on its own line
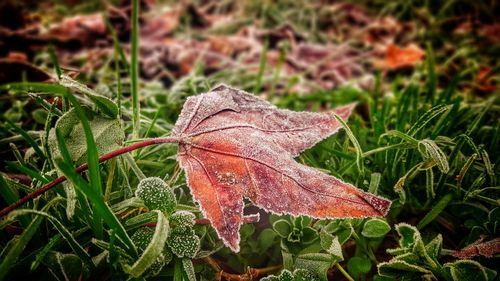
point(296, 275)
point(414, 259)
point(184, 242)
point(141, 238)
point(182, 219)
point(156, 194)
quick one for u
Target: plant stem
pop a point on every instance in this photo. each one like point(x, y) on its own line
point(342, 270)
point(246, 219)
point(84, 167)
point(250, 274)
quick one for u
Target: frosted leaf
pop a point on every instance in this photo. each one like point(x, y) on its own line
point(107, 133)
point(157, 266)
point(141, 238)
point(234, 145)
point(270, 278)
point(297, 275)
point(304, 275)
point(167, 253)
point(156, 194)
point(182, 219)
point(286, 275)
point(184, 242)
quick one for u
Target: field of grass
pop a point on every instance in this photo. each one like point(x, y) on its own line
point(425, 135)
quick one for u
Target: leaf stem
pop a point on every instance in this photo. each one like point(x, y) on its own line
point(84, 167)
point(342, 270)
point(250, 274)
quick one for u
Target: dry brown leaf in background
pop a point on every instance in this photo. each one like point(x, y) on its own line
point(396, 57)
point(159, 25)
point(84, 28)
point(484, 79)
point(359, 37)
point(491, 32)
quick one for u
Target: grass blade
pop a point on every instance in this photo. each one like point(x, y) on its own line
point(55, 61)
point(45, 250)
point(153, 250)
point(26, 136)
point(104, 104)
point(262, 67)
point(436, 210)
point(92, 159)
point(68, 237)
point(426, 118)
point(359, 151)
point(13, 254)
point(134, 70)
point(431, 150)
point(99, 205)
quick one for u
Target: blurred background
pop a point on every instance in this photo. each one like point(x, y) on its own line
point(290, 46)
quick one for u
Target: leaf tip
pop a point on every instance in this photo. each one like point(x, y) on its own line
point(344, 111)
point(379, 204)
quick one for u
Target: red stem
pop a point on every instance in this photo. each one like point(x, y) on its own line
point(5, 211)
point(245, 219)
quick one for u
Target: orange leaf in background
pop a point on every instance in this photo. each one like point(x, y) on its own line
point(483, 79)
point(234, 145)
point(396, 57)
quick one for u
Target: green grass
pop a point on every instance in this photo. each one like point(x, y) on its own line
point(428, 145)
point(134, 70)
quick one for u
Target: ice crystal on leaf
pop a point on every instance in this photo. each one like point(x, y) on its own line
point(182, 219)
point(233, 145)
point(297, 275)
point(183, 242)
point(141, 238)
point(156, 194)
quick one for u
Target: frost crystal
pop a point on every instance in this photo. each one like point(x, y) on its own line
point(286, 275)
point(141, 238)
point(297, 275)
point(234, 145)
point(184, 242)
point(182, 219)
point(156, 194)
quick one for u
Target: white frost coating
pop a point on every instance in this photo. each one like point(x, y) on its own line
point(142, 238)
point(219, 202)
point(184, 242)
point(182, 219)
point(235, 145)
point(156, 194)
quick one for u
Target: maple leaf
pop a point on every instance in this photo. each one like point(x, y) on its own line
point(234, 145)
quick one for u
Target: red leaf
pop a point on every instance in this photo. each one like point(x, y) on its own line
point(484, 79)
point(485, 249)
point(234, 145)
